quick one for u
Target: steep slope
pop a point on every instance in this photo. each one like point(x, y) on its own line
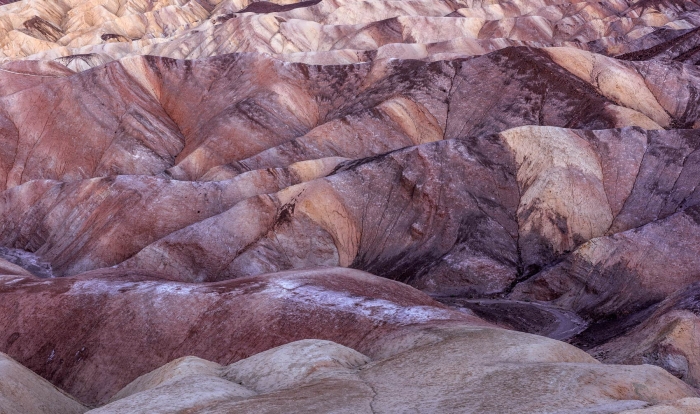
point(139, 123)
point(92, 335)
point(24, 392)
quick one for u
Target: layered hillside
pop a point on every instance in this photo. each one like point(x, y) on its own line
point(350, 206)
point(87, 33)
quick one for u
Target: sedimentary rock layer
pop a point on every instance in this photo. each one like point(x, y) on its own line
point(84, 34)
point(406, 342)
point(534, 161)
point(91, 335)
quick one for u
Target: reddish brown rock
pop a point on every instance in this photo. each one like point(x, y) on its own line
point(392, 233)
point(487, 239)
point(86, 132)
point(140, 124)
point(41, 216)
point(93, 334)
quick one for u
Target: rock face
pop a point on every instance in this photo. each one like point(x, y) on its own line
point(252, 203)
point(667, 338)
point(86, 331)
point(22, 391)
point(322, 376)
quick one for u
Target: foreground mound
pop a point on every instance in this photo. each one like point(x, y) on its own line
point(24, 392)
point(92, 334)
point(455, 369)
point(423, 367)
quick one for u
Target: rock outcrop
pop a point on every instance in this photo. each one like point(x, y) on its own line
point(93, 334)
point(24, 392)
point(322, 376)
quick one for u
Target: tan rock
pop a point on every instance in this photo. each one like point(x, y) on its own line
point(9, 268)
point(24, 392)
point(682, 406)
point(562, 197)
point(171, 372)
point(190, 393)
point(461, 369)
point(294, 364)
point(622, 84)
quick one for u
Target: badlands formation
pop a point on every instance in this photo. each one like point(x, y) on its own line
point(349, 206)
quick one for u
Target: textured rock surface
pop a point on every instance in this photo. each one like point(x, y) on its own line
point(682, 406)
point(84, 333)
point(87, 33)
point(9, 268)
point(668, 338)
point(532, 162)
point(24, 392)
point(235, 119)
point(322, 376)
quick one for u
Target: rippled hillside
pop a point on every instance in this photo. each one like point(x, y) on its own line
point(433, 206)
